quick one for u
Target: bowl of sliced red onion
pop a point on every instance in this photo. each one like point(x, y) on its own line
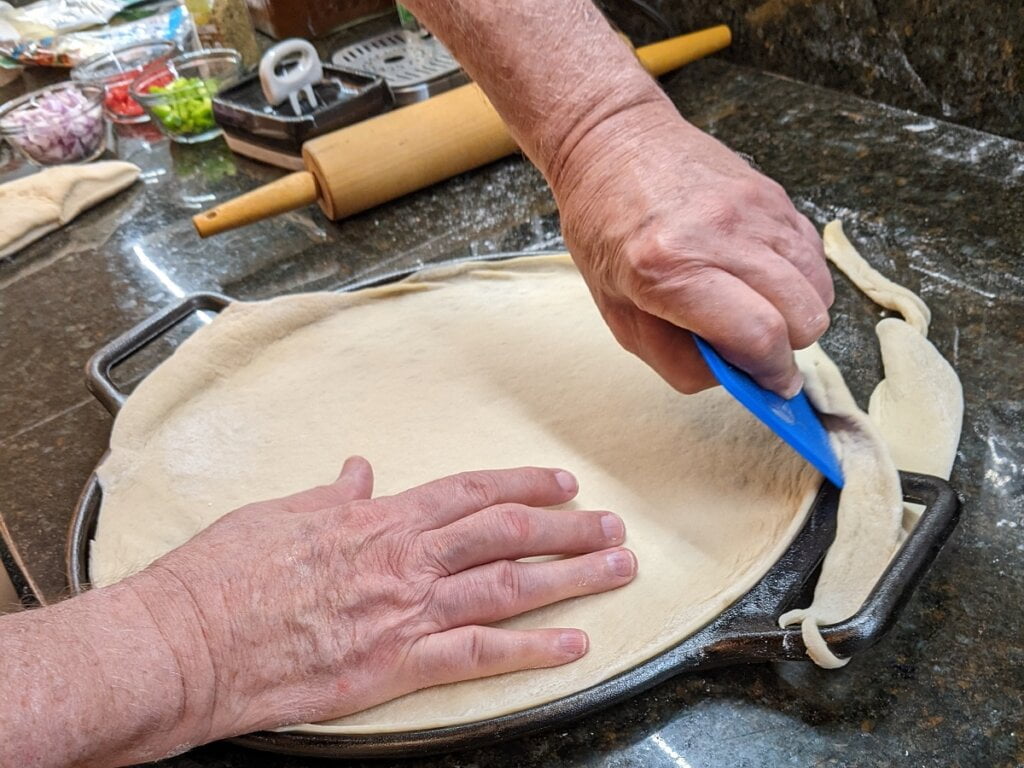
point(59, 124)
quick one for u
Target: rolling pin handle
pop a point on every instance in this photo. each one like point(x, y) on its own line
point(661, 58)
point(295, 190)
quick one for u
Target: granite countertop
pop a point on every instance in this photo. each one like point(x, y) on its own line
point(937, 207)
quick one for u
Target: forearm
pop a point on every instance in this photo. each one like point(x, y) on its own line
point(554, 69)
point(93, 681)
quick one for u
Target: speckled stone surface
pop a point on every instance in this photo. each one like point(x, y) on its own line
point(961, 61)
point(938, 207)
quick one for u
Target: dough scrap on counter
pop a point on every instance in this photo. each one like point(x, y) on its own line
point(920, 397)
point(871, 282)
point(869, 517)
point(47, 200)
point(915, 413)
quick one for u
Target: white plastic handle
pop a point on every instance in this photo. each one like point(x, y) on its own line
point(306, 71)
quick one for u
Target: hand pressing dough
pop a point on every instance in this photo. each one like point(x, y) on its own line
point(38, 204)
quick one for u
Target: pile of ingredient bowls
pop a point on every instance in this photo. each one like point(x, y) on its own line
point(59, 124)
point(178, 94)
point(114, 71)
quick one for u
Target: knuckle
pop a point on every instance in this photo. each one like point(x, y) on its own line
point(475, 650)
point(722, 214)
point(433, 554)
point(810, 247)
point(776, 194)
point(791, 247)
point(814, 242)
point(809, 229)
point(645, 255)
point(438, 604)
point(770, 333)
point(507, 582)
point(683, 297)
point(513, 524)
point(751, 188)
point(401, 551)
point(476, 487)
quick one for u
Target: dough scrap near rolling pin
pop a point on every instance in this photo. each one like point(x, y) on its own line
point(915, 413)
point(710, 497)
point(47, 200)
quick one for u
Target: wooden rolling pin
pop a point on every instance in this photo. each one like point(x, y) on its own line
point(366, 164)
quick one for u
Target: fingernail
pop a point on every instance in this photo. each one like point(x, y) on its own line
point(612, 527)
point(795, 385)
point(620, 562)
point(566, 481)
point(573, 643)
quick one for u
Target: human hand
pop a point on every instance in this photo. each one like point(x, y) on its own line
point(672, 231)
point(325, 603)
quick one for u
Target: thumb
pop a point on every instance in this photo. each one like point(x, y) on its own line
point(355, 481)
point(353, 484)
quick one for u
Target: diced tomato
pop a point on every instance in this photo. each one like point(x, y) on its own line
point(118, 100)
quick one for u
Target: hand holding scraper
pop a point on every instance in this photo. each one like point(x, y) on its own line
point(794, 420)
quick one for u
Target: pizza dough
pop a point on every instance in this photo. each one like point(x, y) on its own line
point(476, 368)
point(479, 367)
point(38, 204)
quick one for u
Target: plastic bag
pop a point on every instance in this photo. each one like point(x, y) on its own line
point(45, 18)
point(65, 50)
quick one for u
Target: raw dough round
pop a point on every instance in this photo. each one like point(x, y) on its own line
point(476, 367)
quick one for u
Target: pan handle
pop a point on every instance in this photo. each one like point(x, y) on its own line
point(97, 370)
point(753, 638)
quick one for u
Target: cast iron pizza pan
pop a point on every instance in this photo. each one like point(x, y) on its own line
point(747, 631)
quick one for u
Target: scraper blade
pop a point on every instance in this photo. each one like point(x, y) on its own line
point(794, 420)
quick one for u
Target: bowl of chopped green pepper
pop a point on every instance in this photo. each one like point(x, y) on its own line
point(178, 94)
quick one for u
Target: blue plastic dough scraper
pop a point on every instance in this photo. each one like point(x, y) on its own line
point(794, 420)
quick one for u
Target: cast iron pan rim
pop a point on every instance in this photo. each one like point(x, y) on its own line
point(744, 632)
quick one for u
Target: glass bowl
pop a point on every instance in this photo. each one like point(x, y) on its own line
point(115, 71)
point(178, 94)
point(59, 124)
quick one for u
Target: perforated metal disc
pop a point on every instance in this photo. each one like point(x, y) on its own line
point(415, 65)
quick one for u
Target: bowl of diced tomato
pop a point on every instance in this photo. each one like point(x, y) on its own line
point(116, 70)
point(178, 95)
